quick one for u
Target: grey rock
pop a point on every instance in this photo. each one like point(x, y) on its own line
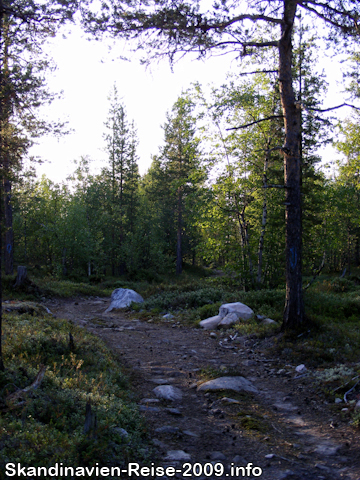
point(168, 316)
point(327, 450)
point(122, 297)
point(189, 433)
point(287, 475)
point(168, 392)
point(357, 406)
point(240, 309)
point(267, 321)
point(145, 408)
point(229, 314)
point(162, 381)
point(229, 400)
point(237, 384)
point(210, 323)
point(229, 320)
point(239, 461)
point(121, 431)
point(217, 456)
point(177, 455)
point(338, 400)
point(301, 368)
point(249, 363)
point(167, 429)
point(174, 411)
point(149, 400)
point(213, 335)
point(159, 443)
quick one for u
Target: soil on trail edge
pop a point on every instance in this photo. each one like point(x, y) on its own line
point(286, 429)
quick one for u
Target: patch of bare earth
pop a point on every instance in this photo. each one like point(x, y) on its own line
point(286, 429)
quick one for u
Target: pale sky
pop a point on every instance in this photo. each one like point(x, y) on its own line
point(86, 72)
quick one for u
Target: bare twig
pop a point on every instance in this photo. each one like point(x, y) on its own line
point(351, 389)
point(317, 273)
point(332, 108)
point(347, 383)
point(17, 398)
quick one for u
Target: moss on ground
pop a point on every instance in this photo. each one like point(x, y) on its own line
point(46, 425)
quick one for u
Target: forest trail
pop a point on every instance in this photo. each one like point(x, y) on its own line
point(286, 429)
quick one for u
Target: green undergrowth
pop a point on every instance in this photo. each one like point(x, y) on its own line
point(66, 288)
point(52, 287)
point(46, 425)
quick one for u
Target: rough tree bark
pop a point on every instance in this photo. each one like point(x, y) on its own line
point(294, 305)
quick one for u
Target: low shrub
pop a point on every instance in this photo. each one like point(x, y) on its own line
point(47, 426)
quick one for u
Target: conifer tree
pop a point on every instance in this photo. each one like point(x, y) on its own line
point(122, 173)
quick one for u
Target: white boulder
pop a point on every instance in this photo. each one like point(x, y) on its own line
point(210, 323)
point(236, 384)
point(122, 297)
point(228, 321)
point(168, 392)
point(229, 314)
point(242, 311)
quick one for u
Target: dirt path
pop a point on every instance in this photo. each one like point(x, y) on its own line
point(286, 429)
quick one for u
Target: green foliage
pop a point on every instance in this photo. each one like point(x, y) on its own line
point(49, 426)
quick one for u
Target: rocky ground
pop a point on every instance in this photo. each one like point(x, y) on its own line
point(286, 429)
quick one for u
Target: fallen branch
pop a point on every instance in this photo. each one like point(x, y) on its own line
point(317, 273)
point(352, 388)
point(16, 399)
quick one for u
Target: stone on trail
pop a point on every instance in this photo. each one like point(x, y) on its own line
point(122, 297)
point(219, 456)
point(177, 455)
point(167, 429)
point(236, 384)
point(210, 323)
point(168, 392)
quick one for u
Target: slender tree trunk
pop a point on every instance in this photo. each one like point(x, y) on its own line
point(63, 262)
point(1, 165)
point(179, 236)
point(263, 222)
point(294, 305)
point(9, 233)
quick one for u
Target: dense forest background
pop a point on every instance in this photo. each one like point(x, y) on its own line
point(214, 195)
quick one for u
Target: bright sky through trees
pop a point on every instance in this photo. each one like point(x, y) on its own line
point(86, 72)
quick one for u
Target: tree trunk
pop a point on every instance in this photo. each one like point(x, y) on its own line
point(2, 368)
point(263, 223)
point(294, 305)
point(179, 236)
point(63, 262)
point(21, 277)
point(9, 233)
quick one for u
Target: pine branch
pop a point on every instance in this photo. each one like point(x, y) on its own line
point(332, 108)
point(239, 18)
point(258, 71)
point(257, 121)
